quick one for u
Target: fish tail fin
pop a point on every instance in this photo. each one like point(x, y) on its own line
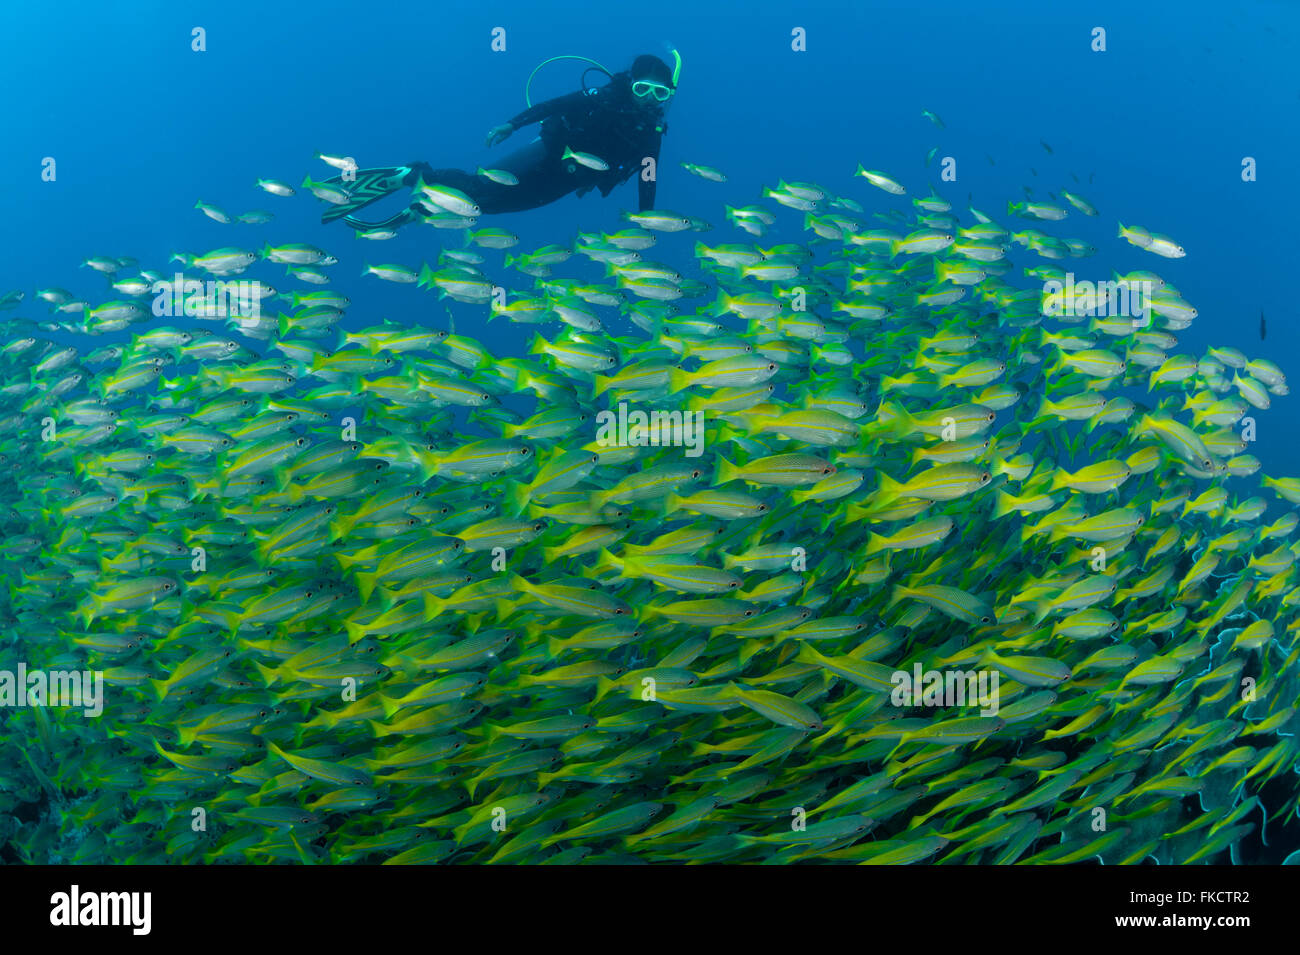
point(87, 612)
point(904, 423)
point(433, 606)
point(721, 305)
point(366, 584)
point(807, 653)
point(726, 471)
point(603, 687)
point(428, 461)
point(517, 496)
point(671, 505)
point(607, 562)
point(678, 380)
point(280, 478)
point(889, 490)
point(266, 673)
point(341, 526)
point(889, 383)
point(1057, 362)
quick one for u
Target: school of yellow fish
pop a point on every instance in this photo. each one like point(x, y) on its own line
point(387, 593)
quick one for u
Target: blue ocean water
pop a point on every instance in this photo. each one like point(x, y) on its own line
point(1155, 128)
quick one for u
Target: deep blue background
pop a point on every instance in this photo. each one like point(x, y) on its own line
point(141, 127)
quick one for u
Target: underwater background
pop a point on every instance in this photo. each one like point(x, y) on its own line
point(1152, 131)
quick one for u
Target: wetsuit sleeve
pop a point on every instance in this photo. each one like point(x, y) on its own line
point(549, 108)
point(647, 188)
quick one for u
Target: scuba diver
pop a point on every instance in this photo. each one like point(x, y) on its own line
point(595, 138)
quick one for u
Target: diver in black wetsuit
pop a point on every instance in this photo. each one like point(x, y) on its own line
point(618, 125)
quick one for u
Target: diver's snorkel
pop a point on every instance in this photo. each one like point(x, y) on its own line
point(677, 72)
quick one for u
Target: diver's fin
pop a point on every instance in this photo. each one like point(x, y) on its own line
point(414, 213)
point(370, 185)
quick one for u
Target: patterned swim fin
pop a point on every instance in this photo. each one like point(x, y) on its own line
point(370, 185)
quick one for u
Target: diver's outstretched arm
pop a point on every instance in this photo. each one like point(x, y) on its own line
point(550, 107)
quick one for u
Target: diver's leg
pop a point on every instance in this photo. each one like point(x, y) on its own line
point(491, 197)
point(542, 180)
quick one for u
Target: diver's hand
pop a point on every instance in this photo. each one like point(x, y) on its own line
point(499, 133)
